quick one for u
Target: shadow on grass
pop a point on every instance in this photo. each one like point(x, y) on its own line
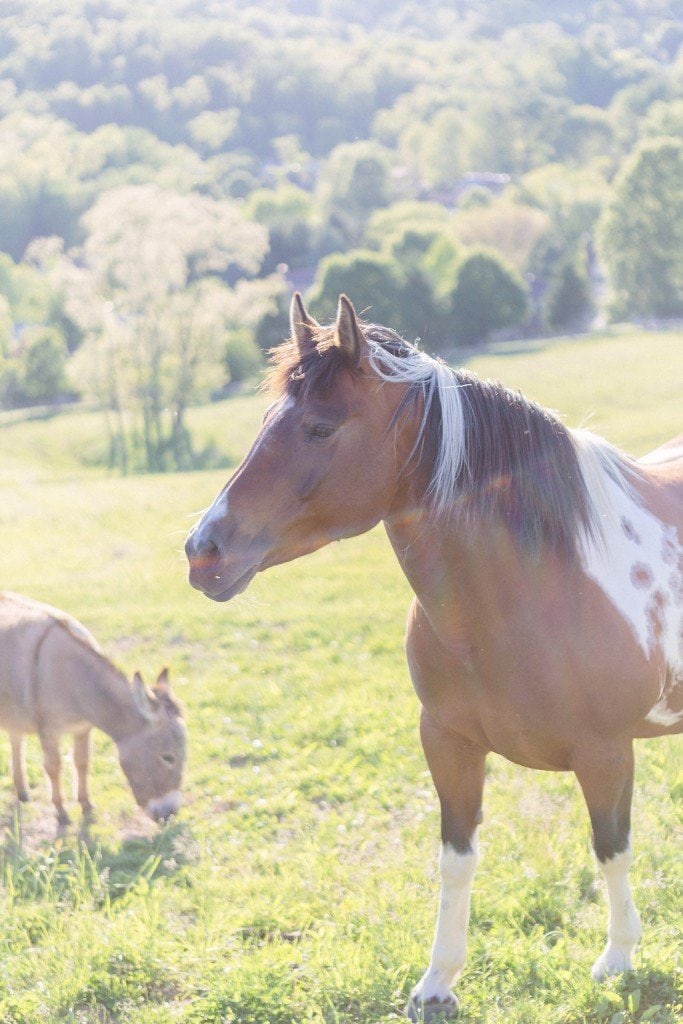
point(76, 867)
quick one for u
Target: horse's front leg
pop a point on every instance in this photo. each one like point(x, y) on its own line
point(457, 768)
point(606, 778)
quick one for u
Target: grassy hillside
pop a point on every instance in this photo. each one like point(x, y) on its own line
point(299, 883)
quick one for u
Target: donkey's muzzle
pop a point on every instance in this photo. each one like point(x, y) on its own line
point(164, 807)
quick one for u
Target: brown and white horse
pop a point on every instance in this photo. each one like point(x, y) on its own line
point(547, 569)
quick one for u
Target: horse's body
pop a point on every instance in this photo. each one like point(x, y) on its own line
point(54, 679)
point(547, 570)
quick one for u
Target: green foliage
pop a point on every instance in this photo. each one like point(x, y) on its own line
point(242, 357)
point(568, 300)
point(354, 182)
point(44, 366)
point(488, 296)
point(372, 280)
point(641, 231)
point(288, 214)
point(327, 127)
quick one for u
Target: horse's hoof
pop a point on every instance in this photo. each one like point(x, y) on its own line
point(610, 964)
point(433, 1009)
point(23, 796)
point(89, 814)
point(63, 818)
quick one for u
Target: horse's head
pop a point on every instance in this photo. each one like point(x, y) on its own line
point(153, 757)
point(324, 465)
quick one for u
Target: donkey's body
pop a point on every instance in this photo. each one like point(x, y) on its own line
point(547, 571)
point(54, 679)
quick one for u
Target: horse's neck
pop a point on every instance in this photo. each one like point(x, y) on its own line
point(98, 692)
point(464, 574)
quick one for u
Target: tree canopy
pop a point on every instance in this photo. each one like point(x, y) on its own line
point(178, 154)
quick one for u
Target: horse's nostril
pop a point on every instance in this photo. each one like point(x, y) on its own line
point(201, 551)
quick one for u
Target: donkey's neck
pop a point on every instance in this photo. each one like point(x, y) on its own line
point(101, 695)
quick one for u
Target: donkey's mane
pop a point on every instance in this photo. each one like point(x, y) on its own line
point(484, 448)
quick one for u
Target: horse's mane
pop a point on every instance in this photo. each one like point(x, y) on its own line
point(484, 448)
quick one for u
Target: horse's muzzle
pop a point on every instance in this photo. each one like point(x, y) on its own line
point(211, 573)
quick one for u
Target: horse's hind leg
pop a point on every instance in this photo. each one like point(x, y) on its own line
point(19, 766)
point(457, 769)
point(606, 779)
point(53, 764)
point(82, 750)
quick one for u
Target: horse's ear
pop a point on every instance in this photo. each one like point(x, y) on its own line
point(141, 696)
point(349, 334)
point(162, 685)
point(301, 325)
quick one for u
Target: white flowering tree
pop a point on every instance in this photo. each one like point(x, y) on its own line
point(145, 288)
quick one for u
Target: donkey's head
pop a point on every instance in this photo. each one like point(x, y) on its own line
point(153, 757)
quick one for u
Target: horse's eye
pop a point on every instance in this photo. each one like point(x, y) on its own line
point(322, 430)
point(168, 758)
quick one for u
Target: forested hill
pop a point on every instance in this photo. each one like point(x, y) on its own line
point(459, 168)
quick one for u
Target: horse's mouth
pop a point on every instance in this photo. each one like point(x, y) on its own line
point(216, 591)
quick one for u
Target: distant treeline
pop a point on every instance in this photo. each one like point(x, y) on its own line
point(459, 169)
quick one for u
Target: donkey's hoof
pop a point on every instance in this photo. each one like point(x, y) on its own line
point(431, 1009)
point(89, 814)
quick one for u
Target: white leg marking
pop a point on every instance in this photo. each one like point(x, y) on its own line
point(450, 941)
point(624, 924)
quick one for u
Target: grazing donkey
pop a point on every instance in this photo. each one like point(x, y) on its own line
point(547, 569)
point(55, 679)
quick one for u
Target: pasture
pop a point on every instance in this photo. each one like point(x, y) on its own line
point(299, 882)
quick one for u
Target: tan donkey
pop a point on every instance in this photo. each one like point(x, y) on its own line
point(55, 679)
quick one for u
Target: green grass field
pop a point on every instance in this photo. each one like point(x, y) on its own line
point(299, 883)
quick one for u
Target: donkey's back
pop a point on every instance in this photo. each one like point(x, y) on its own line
point(24, 626)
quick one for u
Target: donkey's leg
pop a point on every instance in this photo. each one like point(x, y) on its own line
point(607, 783)
point(82, 750)
point(457, 768)
point(53, 764)
point(19, 766)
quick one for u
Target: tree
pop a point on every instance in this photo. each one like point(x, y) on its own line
point(568, 300)
point(488, 296)
point(145, 287)
point(383, 291)
point(370, 280)
point(511, 229)
point(640, 234)
point(354, 182)
point(287, 212)
point(43, 377)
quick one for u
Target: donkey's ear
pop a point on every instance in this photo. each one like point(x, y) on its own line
point(349, 334)
point(162, 684)
point(301, 325)
point(141, 696)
